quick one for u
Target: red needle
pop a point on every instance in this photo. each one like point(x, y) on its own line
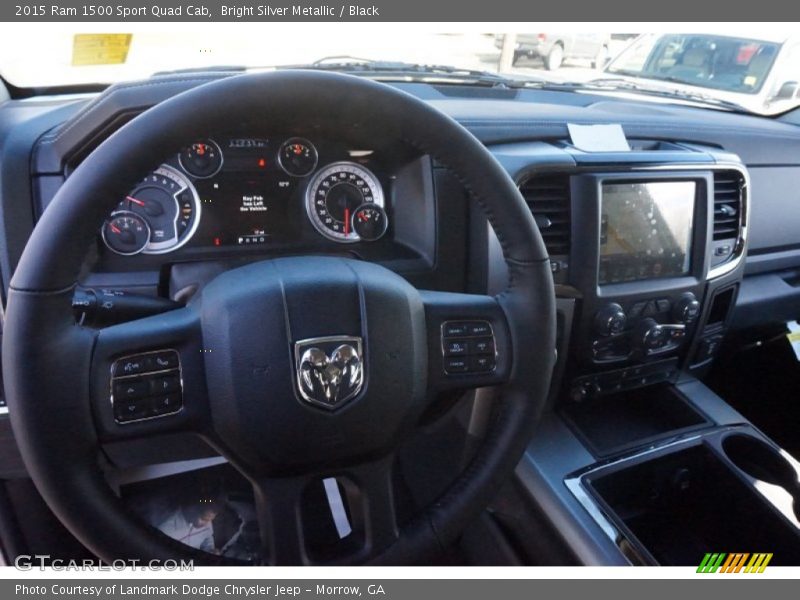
point(347, 221)
point(115, 229)
point(135, 200)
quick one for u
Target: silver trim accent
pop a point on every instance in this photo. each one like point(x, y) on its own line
point(576, 486)
point(221, 161)
point(112, 216)
point(367, 175)
point(114, 378)
point(179, 178)
point(301, 346)
point(306, 143)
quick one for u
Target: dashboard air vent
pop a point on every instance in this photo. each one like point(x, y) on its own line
point(548, 197)
point(727, 204)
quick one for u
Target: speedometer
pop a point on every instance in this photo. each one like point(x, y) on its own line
point(334, 195)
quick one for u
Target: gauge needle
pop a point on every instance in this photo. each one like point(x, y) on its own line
point(115, 229)
point(135, 200)
point(347, 221)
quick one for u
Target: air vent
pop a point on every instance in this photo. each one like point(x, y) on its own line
point(549, 200)
point(727, 204)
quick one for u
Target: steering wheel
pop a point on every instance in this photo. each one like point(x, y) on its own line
point(243, 343)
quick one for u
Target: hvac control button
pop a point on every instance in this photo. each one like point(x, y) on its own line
point(456, 365)
point(483, 364)
point(166, 404)
point(456, 347)
point(132, 409)
point(165, 385)
point(637, 309)
point(129, 389)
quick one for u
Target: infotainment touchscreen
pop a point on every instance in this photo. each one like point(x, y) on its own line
point(645, 230)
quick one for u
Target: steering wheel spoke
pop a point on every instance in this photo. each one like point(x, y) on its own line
point(469, 345)
point(342, 517)
point(148, 377)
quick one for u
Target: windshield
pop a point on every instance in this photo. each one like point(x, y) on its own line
point(738, 73)
point(709, 61)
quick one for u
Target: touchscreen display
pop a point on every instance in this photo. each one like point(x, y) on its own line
point(645, 230)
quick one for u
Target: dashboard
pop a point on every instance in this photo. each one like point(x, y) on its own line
point(657, 253)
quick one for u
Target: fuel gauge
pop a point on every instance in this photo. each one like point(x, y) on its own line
point(370, 222)
point(126, 233)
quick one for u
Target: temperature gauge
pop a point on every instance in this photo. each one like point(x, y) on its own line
point(297, 157)
point(370, 222)
point(126, 233)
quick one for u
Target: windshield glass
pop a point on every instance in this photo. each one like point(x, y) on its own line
point(754, 73)
point(709, 61)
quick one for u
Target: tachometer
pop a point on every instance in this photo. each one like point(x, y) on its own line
point(168, 204)
point(334, 195)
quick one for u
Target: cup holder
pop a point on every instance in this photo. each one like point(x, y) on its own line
point(763, 462)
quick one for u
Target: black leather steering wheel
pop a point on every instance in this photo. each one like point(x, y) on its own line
point(242, 397)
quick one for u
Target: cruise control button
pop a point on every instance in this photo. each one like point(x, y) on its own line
point(128, 389)
point(456, 347)
point(165, 385)
point(483, 346)
point(483, 364)
point(164, 360)
point(455, 329)
point(132, 409)
point(456, 365)
point(131, 365)
point(477, 328)
point(169, 403)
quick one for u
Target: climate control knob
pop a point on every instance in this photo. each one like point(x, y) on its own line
point(686, 309)
point(610, 320)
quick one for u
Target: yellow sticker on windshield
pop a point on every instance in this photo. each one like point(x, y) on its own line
point(750, 80)
point(100, 48)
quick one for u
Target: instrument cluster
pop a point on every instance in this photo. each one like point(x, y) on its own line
point(246, 191)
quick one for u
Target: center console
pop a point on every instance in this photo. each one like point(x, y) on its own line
point(646, 252)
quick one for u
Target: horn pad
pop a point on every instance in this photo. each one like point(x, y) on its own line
point(313, 349)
